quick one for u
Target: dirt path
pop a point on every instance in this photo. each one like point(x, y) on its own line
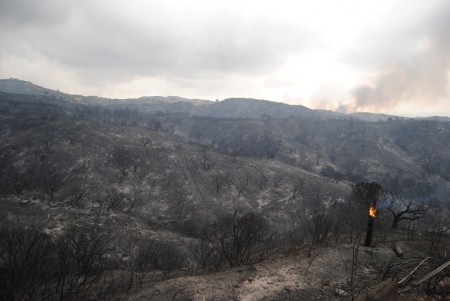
point(284, 278)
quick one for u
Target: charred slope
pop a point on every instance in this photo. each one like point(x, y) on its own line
point(149, 184)
point(247, 108)
point(139, 171)
point(405, 155)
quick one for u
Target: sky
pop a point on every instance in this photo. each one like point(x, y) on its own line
point(384, 56)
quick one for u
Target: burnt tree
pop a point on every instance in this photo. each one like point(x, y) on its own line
point(367, 193)
point(263, 180)
point(297, 185)
point(144, 141)
point(238, 239)
point(122, 159)
point(206, 162)
point(52, 181)
point(402, 209)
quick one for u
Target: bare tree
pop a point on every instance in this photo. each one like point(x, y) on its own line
point(318, 157)
point(160, 255)
point(237, 239)
point(436, 230)
point(277, 179)
point(203, 255)
point(122, 159)
point(356, 280)
point(235, 147)
point(18, 180)
point(297, 185)
point(206, 162)
point(52, 181)
point(318, 223)
point(144, 141)
point(228, 178)
point(263, 180)
point(234, 154)
point(135, 162)
point(403, 209)
point(98, 195)
point(114, 199)
point(242, 182)
point(77, 194)
point(135, 200)
point(80, 263)
point(218, 180)
point(26, 262)
point(330, 172)
point(35, 267)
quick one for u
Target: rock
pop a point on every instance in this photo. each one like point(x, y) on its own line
point(398, 250)
point(341, 293)
point(443, 286)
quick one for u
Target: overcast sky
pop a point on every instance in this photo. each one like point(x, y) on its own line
point(389, 56)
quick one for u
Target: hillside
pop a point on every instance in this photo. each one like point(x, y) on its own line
point(15, 86)
point(152, 187)
point(236, 108)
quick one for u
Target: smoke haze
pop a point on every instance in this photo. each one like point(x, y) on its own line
point(384, 56)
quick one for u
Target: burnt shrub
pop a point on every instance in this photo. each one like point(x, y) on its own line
point(233, 240)
point(158, 255)
point(33, 266)
point(27, 263)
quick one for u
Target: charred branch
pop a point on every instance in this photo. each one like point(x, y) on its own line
point(402, 209)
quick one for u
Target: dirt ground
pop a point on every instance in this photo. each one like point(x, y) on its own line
point(323, 276)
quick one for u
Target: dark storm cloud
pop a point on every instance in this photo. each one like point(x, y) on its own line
point(18, 13)
point(99, 43)
point(412, 64)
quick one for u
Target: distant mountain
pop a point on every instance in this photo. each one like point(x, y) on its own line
point(249, 108)
point(235, 108)
point(229, 108)
point(436, 118)
point(168, 99)
point(17, 86)
point(374, 117)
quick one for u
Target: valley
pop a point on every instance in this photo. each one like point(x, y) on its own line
point(166, 198)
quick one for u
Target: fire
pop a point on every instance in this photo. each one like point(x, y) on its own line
point(372, 211)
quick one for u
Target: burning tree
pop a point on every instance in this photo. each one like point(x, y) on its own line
point(368, 193)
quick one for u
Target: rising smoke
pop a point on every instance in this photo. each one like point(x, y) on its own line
point(418, 75)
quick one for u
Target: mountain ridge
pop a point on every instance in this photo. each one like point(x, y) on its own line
point(228, 108)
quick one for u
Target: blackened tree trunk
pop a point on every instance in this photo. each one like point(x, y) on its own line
point(369, 231)
point(368, 193)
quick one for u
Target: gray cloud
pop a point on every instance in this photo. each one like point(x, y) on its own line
point(99, 44)
point(19, 13)
point(232, 48)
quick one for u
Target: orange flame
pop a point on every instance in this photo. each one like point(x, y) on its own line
point(372, 211)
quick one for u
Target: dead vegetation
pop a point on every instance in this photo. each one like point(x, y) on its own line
point(196, 208)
